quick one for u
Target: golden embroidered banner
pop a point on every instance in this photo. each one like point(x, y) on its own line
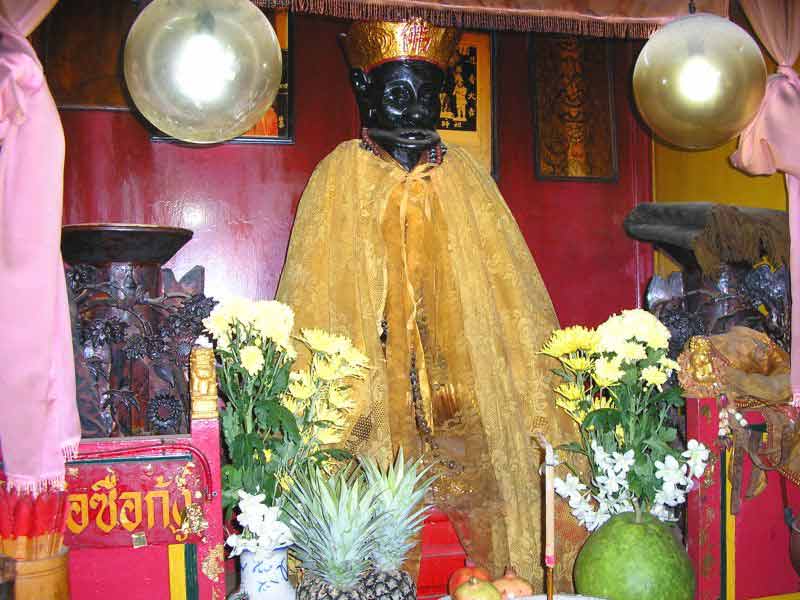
point(602, 18)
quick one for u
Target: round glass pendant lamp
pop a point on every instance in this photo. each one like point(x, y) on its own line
point(699, 81)
point(202, 71)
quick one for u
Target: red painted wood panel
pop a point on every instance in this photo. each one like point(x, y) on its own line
point(574, 230)
point(704, 515)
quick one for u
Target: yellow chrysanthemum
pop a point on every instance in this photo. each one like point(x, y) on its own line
point(340, 399)
point(322, 341)
point(584, 339)
point(571, 408)
point(252, 360)
point(577, 363)
point(654, 376)
point(285, 481)
point(274, 320)
point(613, 334)
point(564, 342)
point(646, 328)
point(329, 368)
point(216, 324)
point(301, 385)
point(631, 352)
point(599, 401)
point(267, 455)
point(569, 391)
point(607, 372)
point(331, 433)
point(559, 344)
point(668, 364)
point(355, 358)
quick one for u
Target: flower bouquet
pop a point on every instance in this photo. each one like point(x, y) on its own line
point(635, 474)
point(276, 420)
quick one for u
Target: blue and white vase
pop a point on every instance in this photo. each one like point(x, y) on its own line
point(265, 576)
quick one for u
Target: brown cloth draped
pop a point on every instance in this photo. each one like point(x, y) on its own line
point(428, 273)
point(600, 18)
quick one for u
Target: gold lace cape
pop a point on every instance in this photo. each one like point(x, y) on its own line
point(340, 275)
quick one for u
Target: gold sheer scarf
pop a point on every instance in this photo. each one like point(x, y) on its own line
point(435, 259)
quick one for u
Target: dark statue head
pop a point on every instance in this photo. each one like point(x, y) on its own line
point(397, 72)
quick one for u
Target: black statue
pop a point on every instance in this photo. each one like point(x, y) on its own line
point(399, 106)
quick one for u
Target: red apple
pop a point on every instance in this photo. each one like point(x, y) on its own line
point(511, 585)
point(476, 589)
point(463, 574)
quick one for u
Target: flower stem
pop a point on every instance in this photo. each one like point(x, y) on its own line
point(637, 510)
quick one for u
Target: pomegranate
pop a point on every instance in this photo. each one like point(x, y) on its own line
point(511, 585)
point(463, 574)
point(476, 589)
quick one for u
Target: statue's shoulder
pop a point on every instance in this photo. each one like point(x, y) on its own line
point(343, 153)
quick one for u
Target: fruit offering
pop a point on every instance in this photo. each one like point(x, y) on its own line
point(464, 574)
point(510, 585)
point(476, 589)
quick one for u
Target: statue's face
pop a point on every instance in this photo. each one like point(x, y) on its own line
point(399, 103)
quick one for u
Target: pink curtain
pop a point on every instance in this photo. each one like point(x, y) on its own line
point(39, 424)
point(771, 142)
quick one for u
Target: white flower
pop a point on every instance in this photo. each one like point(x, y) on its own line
point(612, 481)
point(671, 471)
point(623, 462)
point(601, 458)
point(670, 495)
point(568, 488)
point(696, 455)
point(263, 531)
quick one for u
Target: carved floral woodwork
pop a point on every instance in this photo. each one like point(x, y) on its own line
point(134, 326)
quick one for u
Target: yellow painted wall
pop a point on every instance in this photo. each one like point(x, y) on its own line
point(707, 176)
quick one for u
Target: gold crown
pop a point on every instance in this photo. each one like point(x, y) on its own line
point(372, 43)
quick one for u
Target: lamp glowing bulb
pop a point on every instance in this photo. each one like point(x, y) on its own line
point(204, 68)
point(699, 80)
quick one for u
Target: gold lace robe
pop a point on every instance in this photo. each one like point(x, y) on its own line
point(428, 272)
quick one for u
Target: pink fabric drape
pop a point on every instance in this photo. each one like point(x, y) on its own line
point(771, 142)
point(39, 424)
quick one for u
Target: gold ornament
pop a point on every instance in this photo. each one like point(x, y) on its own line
point(369, 44)
point(203, 380)
point(202, 71)
point(194, 521)
point(699, 81)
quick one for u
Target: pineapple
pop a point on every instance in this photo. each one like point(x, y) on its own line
point(400, 489)
point(334, 527)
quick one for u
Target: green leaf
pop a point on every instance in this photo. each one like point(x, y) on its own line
point(658, 446)
point(281, 381)
point(668, 435)
point(231, 427)
point(604, 419)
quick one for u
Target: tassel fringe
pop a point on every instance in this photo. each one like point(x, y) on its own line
point(470, 18)
point(25, 484)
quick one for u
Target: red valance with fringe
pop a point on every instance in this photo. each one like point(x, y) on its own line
point(601, 18)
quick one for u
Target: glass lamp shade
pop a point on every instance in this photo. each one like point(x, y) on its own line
point(699, 81)
point(202, 71)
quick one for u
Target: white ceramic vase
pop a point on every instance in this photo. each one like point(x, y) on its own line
point(265, 576)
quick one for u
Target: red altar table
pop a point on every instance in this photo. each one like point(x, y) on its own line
point(127, 527)
point(745, 556)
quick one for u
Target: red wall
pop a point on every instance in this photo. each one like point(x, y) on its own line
point(239, 199)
